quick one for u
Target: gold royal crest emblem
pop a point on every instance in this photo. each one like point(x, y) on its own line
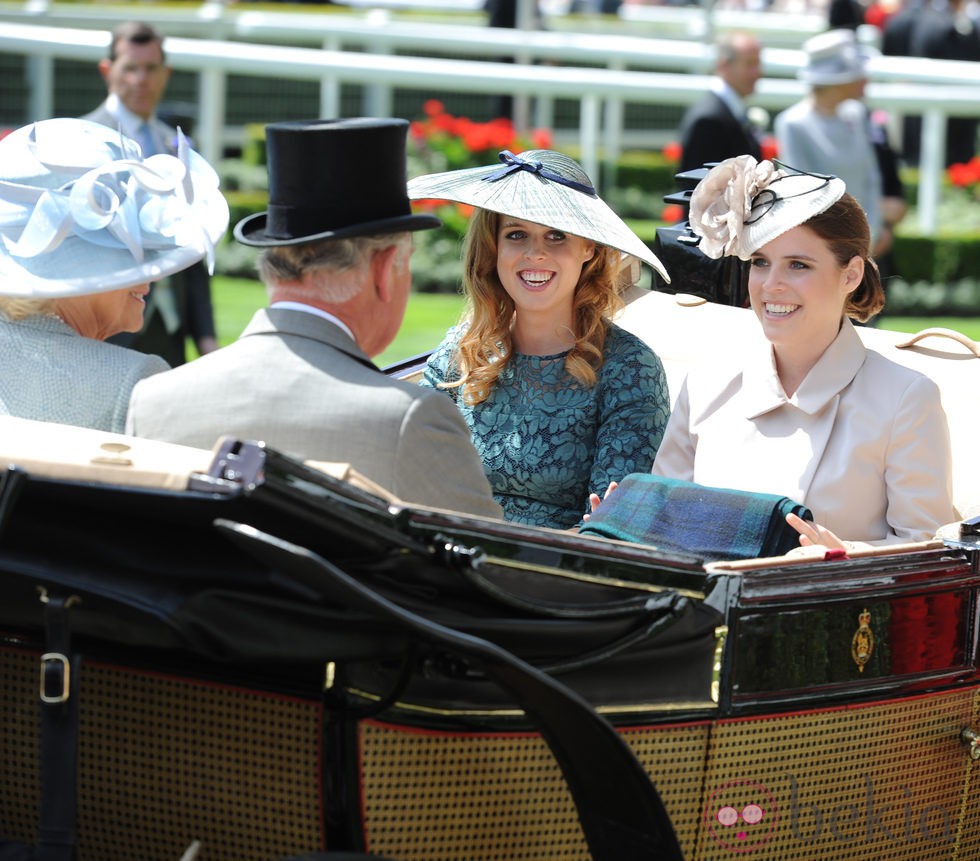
point(863, 641)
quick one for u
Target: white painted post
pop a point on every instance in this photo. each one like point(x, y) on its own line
point(932, 160)
point(211, 113)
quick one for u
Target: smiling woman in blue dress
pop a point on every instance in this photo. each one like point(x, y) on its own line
point(560, 401)
point(806, 411)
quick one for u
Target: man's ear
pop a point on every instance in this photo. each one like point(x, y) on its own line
point(383, 265)
point(105, 64)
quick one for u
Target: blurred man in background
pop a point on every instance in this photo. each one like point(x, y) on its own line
point(136, 75)
point(717, 127)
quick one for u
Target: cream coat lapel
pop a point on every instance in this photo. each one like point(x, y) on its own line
point(791, 434)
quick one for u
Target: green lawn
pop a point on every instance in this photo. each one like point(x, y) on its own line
point(426, 320)
point(429, 315)
point(969, 326)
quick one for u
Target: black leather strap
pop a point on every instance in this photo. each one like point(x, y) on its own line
point(56, 837)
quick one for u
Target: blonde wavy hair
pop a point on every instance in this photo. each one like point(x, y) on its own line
point(486, 346)
point(16, 308)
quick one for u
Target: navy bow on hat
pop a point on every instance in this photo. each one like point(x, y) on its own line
point(515, 163)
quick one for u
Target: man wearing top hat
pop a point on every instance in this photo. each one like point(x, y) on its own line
point(336, 242)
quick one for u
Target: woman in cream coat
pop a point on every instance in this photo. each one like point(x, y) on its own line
point(810, 413)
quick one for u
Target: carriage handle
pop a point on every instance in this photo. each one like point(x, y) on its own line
point(940, 332)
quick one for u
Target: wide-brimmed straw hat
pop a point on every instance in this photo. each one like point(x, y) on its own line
point(834, 57)
point(741, 204)
point(541, 186)
point(334, 179)
point(82, 212)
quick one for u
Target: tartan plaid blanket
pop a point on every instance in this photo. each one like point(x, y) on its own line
point(714, 523)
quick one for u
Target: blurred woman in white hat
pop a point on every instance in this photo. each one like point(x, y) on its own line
point(829, 131)
point(86, 225)
point(559, 400)
point(808, 412)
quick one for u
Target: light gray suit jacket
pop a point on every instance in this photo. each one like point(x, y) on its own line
point(53, 374)
point(301, 384)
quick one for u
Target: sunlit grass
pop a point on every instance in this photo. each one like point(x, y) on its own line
point(427, 317)
point(969, 326)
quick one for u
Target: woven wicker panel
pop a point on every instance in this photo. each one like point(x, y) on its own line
point(674, 756)
point(19, 745)
point(164, 761)
point(879, 783)
point(969, 839)
point(434, 796)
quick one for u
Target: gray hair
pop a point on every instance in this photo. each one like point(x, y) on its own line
point(729, 45)
point(289, 263)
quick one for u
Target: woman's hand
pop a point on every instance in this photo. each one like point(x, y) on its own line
point(595, 502)
point(812, 534)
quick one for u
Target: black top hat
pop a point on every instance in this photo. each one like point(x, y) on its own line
point(332, 179)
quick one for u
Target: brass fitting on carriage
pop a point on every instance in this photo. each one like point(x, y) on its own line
point(972, 740)
point(721, 636)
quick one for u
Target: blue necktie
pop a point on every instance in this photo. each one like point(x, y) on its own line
point(144, 136)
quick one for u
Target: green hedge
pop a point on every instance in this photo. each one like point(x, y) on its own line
point(941, 258)
point(650, 172)
point(932, 299)
point(245, 203)
point(937, 275)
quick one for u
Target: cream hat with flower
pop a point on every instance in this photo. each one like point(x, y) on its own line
point(741, 204)
point(542, 186)
point(82, 212)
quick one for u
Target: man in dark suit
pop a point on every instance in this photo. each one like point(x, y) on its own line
point(716, 127)
point(136, 75)
point(948, 32)
point(896, 41)
point(336, 242)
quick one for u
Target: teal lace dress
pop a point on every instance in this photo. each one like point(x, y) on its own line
point(547, 441)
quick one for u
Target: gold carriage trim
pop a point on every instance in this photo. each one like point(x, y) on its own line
point(863, 641)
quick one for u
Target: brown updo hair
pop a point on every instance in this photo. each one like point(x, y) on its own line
point(844, 227)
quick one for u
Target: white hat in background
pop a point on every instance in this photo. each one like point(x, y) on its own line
point(834, 57)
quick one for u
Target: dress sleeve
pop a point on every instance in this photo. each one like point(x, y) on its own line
point(634, 405)
point(438, 368)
